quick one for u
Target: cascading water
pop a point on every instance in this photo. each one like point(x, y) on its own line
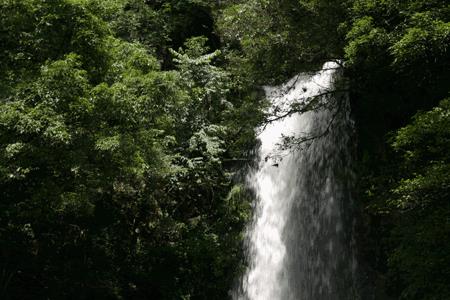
point(299, 243)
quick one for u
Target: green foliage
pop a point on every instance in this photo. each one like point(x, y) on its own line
point(273, 40)
point(119, 119)
point(159, 25)
point(37, 31)
point(71, 151)
point(420, 257)
point(111, 176)
point(408, 36)
point(397, 61)
point(207, 84)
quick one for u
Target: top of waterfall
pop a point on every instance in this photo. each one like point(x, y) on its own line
point(334, 64)
point(302, 88)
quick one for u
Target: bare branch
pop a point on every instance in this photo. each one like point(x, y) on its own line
point(293, 143)
point(309, 103)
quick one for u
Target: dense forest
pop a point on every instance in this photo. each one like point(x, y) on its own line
point(126, 127)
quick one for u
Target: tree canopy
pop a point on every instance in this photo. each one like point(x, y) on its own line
point(126, 127)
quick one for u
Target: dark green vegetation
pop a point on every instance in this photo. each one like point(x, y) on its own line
point(111, 176)
point(119, 120)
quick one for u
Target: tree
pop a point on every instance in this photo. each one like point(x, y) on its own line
point(420, 257)
point(111, 181)
point(271, 41)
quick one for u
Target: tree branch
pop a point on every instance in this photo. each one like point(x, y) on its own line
point(307, 107)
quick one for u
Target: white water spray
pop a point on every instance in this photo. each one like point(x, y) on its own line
point(299, 242)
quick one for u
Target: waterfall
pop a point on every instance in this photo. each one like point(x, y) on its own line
point(299, 243)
